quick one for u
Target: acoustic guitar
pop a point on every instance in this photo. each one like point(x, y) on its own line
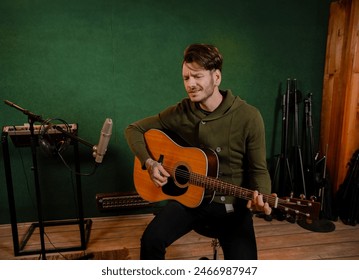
point(194, 174)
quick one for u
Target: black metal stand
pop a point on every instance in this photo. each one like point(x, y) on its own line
point(318, 187)
point(20, 247)
point(298, 159)
point(291, 171)
point(282, 167)
point(37, 187)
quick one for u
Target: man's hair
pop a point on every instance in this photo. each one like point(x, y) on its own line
point(205, 55)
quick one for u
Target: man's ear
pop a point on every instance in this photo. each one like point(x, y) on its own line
point(217, 77)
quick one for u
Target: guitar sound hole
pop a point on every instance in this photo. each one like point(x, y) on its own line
point(182, 175)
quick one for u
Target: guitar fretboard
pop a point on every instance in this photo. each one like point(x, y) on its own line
point(225, 188)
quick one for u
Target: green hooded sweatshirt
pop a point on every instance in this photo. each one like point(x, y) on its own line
point(235, 131)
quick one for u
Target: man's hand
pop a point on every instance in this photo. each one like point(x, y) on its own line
point(158, 174)
point(258, 204)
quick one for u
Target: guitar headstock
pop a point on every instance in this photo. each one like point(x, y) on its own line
point(308, 209)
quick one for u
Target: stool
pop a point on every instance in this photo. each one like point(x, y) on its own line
point(207, 229)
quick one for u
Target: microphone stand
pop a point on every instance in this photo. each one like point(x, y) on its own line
point(32, 118)
point(298, 160)
point(282, 168)
point(38, 118)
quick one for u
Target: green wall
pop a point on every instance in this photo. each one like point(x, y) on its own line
point(86, 60)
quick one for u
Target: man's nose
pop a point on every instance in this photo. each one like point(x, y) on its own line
point(191, 82)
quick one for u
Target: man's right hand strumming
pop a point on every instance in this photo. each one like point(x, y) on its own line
point(158, 174)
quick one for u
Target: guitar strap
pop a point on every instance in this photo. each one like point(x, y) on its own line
point(226, 200)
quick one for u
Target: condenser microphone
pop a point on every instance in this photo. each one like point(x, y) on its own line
point(101, 148)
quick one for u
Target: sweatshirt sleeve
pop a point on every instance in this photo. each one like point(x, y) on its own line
point(134, 135)
point(168, 119)
point(258, 174)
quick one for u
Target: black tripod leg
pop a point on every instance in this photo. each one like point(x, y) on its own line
point(289, 175)
point(302, 171)
point(275, 174)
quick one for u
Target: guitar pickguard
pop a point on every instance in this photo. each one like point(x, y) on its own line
point(178, 183)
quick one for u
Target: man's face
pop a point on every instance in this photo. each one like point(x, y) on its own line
point(199, 83)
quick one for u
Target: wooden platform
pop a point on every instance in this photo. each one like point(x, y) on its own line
point(118, 238)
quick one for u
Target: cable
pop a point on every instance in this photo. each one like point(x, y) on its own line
point(75, 172)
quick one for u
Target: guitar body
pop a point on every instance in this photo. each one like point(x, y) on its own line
point(180, 162)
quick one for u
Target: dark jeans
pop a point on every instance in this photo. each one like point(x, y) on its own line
point(234, 230)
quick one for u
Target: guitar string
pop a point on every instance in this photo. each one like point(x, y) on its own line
point(243, 192)
point(205, 181)
point(220, 186)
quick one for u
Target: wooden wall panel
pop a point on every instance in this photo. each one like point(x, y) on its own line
point(339, 116)
point(331, 114)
